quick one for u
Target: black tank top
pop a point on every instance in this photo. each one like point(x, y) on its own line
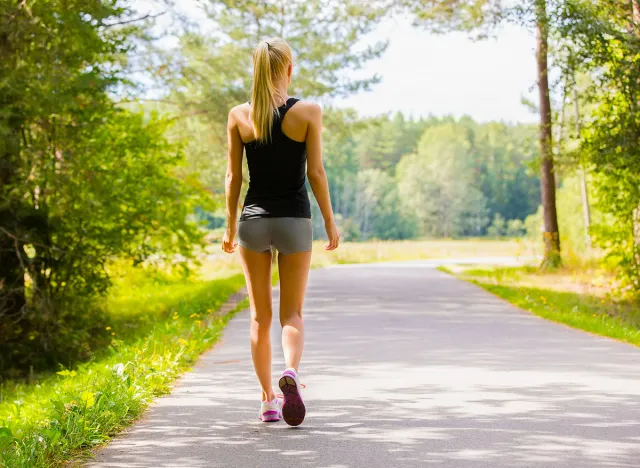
point(277, 175)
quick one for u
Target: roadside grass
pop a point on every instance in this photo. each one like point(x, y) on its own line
point(582, 298)
point(61, 416)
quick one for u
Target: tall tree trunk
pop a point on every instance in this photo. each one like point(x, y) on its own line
point(551, 235)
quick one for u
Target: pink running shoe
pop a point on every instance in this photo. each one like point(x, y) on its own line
point(293, 410)
point(270, 411)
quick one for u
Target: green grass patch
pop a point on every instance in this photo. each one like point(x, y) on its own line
point(61, 416)
point(599, 314)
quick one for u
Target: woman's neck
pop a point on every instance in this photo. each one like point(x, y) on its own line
point(281, 93)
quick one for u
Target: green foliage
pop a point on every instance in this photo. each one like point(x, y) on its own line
point(498, 227)
point(605, 45)
point(435, 183)
point(601, 42)
point(515, 228)
point(457, 15)
point(83, 181)
point(505, 167)
point(383, 141)
point(571, 217)
point(396, 178)
point(323, 34)
point(464, 174)
point(378, 207)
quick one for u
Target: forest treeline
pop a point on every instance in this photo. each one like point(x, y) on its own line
point(394, 177)
point(113, 143)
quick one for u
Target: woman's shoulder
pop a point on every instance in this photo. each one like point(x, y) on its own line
point(240, 109)
point(308, 106)
point(307, 109)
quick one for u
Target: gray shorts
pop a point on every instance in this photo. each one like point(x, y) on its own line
point(287, 235)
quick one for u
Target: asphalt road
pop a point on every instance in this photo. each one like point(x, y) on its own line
point(405, 366)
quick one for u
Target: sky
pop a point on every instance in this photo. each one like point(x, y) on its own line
point(424, 73)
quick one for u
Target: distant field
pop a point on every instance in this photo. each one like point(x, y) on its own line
point(218, 264)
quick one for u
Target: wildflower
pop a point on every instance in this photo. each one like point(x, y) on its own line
point(108, 328)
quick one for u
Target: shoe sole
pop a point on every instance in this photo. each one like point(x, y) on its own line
point(269, 420)
point(293, 410)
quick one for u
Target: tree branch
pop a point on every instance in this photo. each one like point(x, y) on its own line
point(27, 241)
point(147, 16)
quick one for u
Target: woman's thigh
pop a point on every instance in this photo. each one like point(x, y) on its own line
point(257, 272)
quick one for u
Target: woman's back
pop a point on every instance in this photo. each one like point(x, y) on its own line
point(277, 167)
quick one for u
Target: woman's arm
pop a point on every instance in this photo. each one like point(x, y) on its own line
point(233, 182)
point(317, 175)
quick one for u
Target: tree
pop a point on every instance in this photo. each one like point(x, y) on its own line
point(378, 207)
point(605, 43)
point(482, 15)
point(83, 180)
point(551, 235)
point(382, 140)
point(436, 184)
point(502, 159)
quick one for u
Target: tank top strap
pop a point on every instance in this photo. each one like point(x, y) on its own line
point(282, 110)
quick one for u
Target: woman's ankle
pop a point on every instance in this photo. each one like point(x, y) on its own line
point(268, 396)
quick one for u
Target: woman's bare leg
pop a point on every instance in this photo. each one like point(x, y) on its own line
point(257, 271)
point(294, 272)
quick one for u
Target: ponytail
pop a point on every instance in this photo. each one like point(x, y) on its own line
point(271, 58)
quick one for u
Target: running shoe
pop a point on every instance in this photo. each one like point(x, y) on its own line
point(270, 411)
point(293, 410)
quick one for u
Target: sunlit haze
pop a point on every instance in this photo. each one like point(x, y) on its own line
point(425, 73)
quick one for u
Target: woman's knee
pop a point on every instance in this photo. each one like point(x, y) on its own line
point(290, 316)
point(262, 321)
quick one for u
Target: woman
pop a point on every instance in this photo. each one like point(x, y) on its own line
point(281, 135)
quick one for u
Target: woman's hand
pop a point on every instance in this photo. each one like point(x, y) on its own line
point(227, 240)
point(332, 234)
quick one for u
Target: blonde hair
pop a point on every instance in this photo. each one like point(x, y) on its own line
point(271, 57)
